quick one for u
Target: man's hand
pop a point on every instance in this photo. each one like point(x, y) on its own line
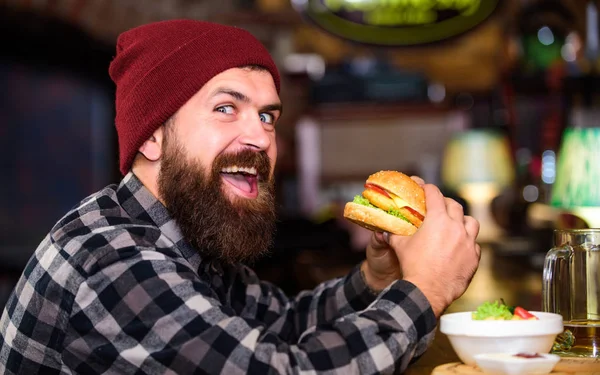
point(381, 267)
point(440, 259)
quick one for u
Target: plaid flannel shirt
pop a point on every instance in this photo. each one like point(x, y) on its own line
point(114, 288)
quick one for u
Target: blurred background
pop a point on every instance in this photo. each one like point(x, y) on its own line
point(502, 118)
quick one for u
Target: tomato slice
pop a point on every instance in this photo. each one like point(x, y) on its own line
point(417, 214)
point(524, 314)
point(381, 191)
point(377, 189)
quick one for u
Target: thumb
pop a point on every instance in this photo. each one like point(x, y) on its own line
point(380, 241)
point(378, 247)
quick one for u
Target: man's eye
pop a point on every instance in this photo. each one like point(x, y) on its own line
point(227, 109)
point(267, 117)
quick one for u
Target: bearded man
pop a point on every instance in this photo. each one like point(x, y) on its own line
point(148, 276)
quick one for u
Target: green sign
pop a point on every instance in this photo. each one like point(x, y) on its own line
point(398, 22)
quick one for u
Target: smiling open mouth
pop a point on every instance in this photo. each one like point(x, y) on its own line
point(243, 179)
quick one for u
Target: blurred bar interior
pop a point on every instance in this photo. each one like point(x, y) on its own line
point(504, 118)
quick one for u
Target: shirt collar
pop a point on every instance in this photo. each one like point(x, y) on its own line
point(142, 205)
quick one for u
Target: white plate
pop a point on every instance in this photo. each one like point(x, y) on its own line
point(509, 364)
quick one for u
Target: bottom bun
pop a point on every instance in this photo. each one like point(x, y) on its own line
point(377, 220)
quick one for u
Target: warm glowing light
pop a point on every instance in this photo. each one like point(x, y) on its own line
point(477, 156)
point(478, 165)
point(577, 186)
point(578, 169)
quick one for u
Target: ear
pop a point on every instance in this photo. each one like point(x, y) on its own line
point(152, 147)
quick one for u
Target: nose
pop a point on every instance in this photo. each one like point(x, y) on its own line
point(254, 134)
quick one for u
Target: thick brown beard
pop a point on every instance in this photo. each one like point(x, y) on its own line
point(238, 231)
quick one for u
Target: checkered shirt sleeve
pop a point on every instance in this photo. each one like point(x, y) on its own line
point(115, 295)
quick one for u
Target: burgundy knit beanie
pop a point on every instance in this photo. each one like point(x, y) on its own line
point(160, 66)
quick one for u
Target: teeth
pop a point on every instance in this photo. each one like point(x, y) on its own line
point(236, 169)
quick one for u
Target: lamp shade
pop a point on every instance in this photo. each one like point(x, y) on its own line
point(478, 165)
point(477, 156)
point(577, 181)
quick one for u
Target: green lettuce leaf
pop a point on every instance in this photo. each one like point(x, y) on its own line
point(359, 199)
point(494, 310)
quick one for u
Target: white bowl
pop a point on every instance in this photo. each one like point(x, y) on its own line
point(508, 364)
point(470, 337)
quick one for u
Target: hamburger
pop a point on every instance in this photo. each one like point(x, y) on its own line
point(391, 202)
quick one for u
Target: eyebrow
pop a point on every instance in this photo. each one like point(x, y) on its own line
point(243, 98)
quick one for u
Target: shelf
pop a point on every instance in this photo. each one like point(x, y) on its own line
point(536, 84)
point(371, 111)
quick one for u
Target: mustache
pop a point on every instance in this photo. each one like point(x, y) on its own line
point(245, 158)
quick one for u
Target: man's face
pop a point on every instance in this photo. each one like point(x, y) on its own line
point(216, 175)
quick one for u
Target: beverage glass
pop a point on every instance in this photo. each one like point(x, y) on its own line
point(571, 288)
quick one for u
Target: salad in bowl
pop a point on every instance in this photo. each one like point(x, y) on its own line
point(495, 327)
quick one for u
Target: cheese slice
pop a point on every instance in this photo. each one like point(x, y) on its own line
point(385, 198)
point(402, 204)
point(398, 201)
